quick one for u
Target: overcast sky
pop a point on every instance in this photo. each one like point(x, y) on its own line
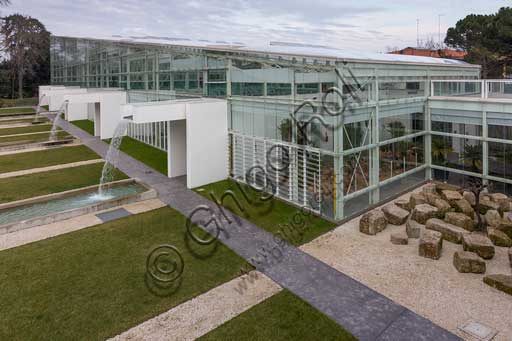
point(361, 25)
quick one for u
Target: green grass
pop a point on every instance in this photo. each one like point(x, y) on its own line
point(33, 138)
point(283, 316)
point(45, 158)
point(90, 284)
point(272, 215)
point(25, 130)
point(32, 185)
point(85, 125)
point(152, 157)
point(13, 111)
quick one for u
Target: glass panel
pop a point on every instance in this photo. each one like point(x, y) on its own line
point(457, 153)
point(400, 125)
point(356, 171)
point(399, 157)
point(500, 160)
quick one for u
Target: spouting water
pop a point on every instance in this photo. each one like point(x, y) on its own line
point(56, 120)
point(107, 175)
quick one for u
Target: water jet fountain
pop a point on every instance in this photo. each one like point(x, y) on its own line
point(56, 120)
point(107, 174)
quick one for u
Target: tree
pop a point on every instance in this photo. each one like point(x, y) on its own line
point(5, 2)
point(26, 42)
point(486, 39)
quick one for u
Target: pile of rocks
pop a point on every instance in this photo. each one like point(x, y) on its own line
point(440, 212)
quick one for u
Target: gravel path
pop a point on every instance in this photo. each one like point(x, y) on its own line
point(433, 289)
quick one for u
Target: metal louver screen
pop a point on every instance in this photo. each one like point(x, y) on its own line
point(293, 173)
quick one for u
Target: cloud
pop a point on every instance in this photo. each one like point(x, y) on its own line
point(362, 24)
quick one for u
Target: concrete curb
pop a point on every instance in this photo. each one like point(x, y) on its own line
point(51, 218)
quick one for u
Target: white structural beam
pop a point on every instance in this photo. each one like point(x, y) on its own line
point(107, 109)
point(197, 136)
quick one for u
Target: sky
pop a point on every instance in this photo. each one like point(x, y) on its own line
point(373, 26)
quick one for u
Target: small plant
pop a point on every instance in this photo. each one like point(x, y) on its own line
point(476, 186)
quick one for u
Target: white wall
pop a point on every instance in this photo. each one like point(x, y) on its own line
point(207, 142)
point(177, 152)
point(107, 109)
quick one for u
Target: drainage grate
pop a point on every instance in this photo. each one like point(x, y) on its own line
point(113, 215)
point(478, 330)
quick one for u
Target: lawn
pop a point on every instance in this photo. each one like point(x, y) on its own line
point(45, 158)
point(85, 125)
point(154, 158)
point(32, 185)
point(283, 316)
point(273, 215)
point(33, 137)
point(90, 284)
point(13, 111)
point(25, 130)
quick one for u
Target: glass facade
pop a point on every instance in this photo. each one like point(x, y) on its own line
point(352, 133)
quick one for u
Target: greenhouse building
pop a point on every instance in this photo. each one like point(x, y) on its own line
point(332, 130)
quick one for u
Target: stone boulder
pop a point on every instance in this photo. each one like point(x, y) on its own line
point(431, 198)
point(431, 244)
point(461, 220)
point(499, 238)
point(451, 196)
point(450, 232)
point(372, 222)
point(443, 186)
point(464, 207)
point(429, 188)
point(470, 197)
point(403, 204)
point(395, 215)
point(506, 227)
point(468, 262)
point(487, 204)
point(507, 216)
point(492, 218)
point(443, 207)
point(478, 243)
point(423, 212)
point(510, 256)
point(399, 238)
point(413, 228)
point(497, 197)
point(416, 199)
point(500, 282)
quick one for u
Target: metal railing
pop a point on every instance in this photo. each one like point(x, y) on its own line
point(483, 89)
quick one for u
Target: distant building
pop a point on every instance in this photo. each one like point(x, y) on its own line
point(435, 53)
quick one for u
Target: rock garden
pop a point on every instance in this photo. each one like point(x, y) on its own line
point(476, 219)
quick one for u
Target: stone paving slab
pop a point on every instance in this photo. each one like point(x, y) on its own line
point(362, 311)
point(113, 215)
point(49, 168)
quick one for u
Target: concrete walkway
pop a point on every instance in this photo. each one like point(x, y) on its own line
point(362, 311)
point(49, 168)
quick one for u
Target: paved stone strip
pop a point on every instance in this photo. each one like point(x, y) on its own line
point(27, 134)
point(365, 313)
point(49, 168)
point(37, 149)
point(34, 234)
point(202, 314)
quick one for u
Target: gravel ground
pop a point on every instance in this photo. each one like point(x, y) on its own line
point(433, 289)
